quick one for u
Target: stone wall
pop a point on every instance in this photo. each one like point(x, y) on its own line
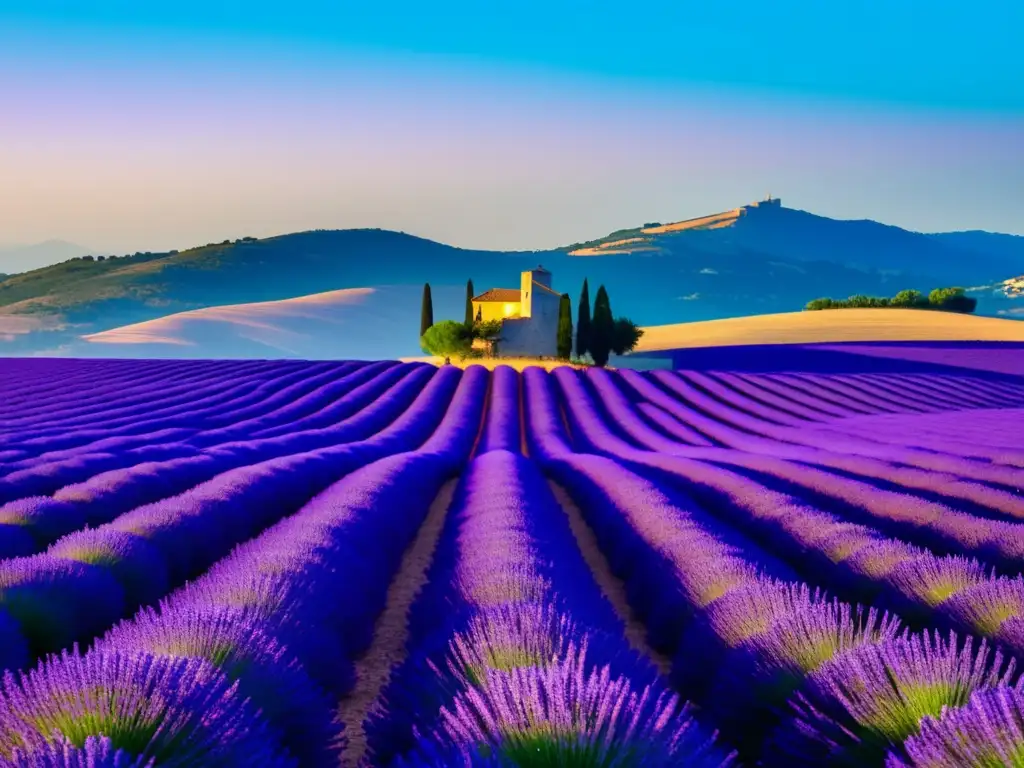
point(535, 336)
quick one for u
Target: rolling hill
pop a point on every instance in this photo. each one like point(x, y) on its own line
point(23, 258)
point(753, 260)
point(834, 325)
point(352, 322)
point(370, 323)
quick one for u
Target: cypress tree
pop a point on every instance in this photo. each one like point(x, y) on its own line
point(469, 303)
point(565, 327)
point(583, 322)
point(426, 310)
point(602, 329)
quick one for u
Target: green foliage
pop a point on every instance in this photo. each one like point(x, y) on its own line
point(952, 300)
point(908, 298)
point(488, 331)
point(448, 339)
point(469, 304)
point(939, 295)
point(583, 322)
point(619, 234)
point(625, 335)
point(602, 329)
point(426, 310)
point(945, 299)
point(860, 301)
point(565, 327)
point(822, 303)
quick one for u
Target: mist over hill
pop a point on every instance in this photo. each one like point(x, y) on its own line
point(754, 260)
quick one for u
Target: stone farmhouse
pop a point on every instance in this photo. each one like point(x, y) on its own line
point(528, 315)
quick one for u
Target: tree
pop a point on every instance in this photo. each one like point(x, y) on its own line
point(565, 327)
point(583, 322)
point(625, 335)
point(908, 298)
point(858, 300)
point(822, 303)
point(469, 303)
point(426, 310)
point(488, 331)
point(448, 339)
point(602, 329)
point(952, 300)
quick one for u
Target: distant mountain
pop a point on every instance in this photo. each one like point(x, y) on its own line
point(1007, 247)
point(22, 258)
point(757, 259)
point(791, 234)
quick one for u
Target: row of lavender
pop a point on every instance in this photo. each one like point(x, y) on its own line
point(88, 579)
point(502, 432)
point(801, 529)
point(87, 491)
point(515, 652)
point(149, 432)
point(241, 666)
point(859, 684)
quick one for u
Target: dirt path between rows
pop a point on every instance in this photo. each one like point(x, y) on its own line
point(391, 631)
point(606, 580)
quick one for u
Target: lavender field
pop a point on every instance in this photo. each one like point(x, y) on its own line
point(289, 563)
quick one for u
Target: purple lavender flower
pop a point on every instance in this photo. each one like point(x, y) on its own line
point(842, 541)
point(760, 674)
point(985, 606)
point(266, 671)
point(499, 639)
point(96, 752)
point(987, 732)
point(1011, 634)
point(57, 602)
point(510, 637)
point(870, 699)
point(878, 560)
point(287, 609)
point(502, 429)
point(731, 620)
point(28, 524)
point(180, 712)
point(557, 714)
point(136, 564)
point(933, 580)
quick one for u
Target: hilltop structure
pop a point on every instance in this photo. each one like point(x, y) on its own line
point(642, 239)
point(528, 315)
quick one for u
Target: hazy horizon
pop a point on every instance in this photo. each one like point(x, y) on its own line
point(164, 128)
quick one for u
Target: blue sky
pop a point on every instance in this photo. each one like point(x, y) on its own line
point(503, 124)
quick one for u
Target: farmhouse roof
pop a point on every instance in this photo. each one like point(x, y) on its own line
point(504, 295)
point(541, 287)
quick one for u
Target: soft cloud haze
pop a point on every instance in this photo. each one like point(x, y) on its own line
point(163, 127)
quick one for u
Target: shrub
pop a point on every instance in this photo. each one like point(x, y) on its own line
point(448, 338)
point(946, 299)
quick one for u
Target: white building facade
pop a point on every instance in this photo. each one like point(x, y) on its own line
point(531, 329)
